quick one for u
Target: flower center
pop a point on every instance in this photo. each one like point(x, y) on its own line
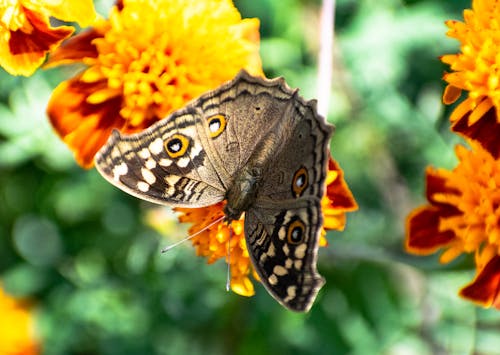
point(141, 67)
point(478, 179)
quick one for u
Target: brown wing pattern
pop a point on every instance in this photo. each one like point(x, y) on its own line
point(140, 165)
point(282, 228)
point(286, 265)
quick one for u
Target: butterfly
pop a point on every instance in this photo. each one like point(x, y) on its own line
point(258, 145)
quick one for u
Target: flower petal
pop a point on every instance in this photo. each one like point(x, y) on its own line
point(338, 191)
point(451, 94)
point(485, 131)
point(26, 50)
point(423, 234)
point(83, 126)
point(435, 186)
point(242, 286)
point(485, 289)
point(75, 49)
point(79, 11)
point(17, 334)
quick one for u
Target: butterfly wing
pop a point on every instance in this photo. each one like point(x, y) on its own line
point(248, 107)
point(190, 159)
point(166, 163)
point(282, 227)
point(283, 249)
point(216, 133)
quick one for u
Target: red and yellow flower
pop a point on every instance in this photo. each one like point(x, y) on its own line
point(212, 241)
point(476, 70)
point(463, 216)
point(17, 336)
point(337, 201)
point(148, 59)
point(26, 35)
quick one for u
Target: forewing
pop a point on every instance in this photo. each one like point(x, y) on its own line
point(251, 107)
point(140, 164)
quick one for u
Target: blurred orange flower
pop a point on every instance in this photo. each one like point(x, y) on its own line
point(26, 35)
point(212, 242)
point(463, 216)
point(16, 327)
point(337, 201)
point(149, 59)
point(475, 69)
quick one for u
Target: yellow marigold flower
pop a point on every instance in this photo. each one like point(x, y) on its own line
point(475, 69)
point(149, 59)
point(16, 327)
point(212, 242)
point(463, 216)
point(26, 35)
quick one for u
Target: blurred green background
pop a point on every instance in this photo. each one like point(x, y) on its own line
point(79, 247)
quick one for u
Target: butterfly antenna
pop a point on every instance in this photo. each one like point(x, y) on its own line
point(228, 279)
point(164, 250)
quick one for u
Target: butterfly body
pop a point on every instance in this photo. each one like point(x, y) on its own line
point(254, 143)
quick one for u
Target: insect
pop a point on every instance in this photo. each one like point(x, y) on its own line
point(258, 145)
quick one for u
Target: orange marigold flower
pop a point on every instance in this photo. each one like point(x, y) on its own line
point(16, 327)
point(463, 216)
point(337, 201)
point(212, 242)
point(475, 69)
point(26, 35)
point(149, 59)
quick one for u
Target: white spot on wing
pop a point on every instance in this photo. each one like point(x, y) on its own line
point(144, 153)
point(195, 150)
point(273, 280)
point(172, 179)
point(282, 234)
point(189, 131)
point(150, 164)
point(291, 292)
point(143, 186)
point(280, 270)
point(300, 251)
point(170, 191)
point(298, 264)
point(156, 146)
point(119, 170)
point(193, 153)
point(148, 176)
point(271, 252)
point(165, 162)
point(183, 162)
